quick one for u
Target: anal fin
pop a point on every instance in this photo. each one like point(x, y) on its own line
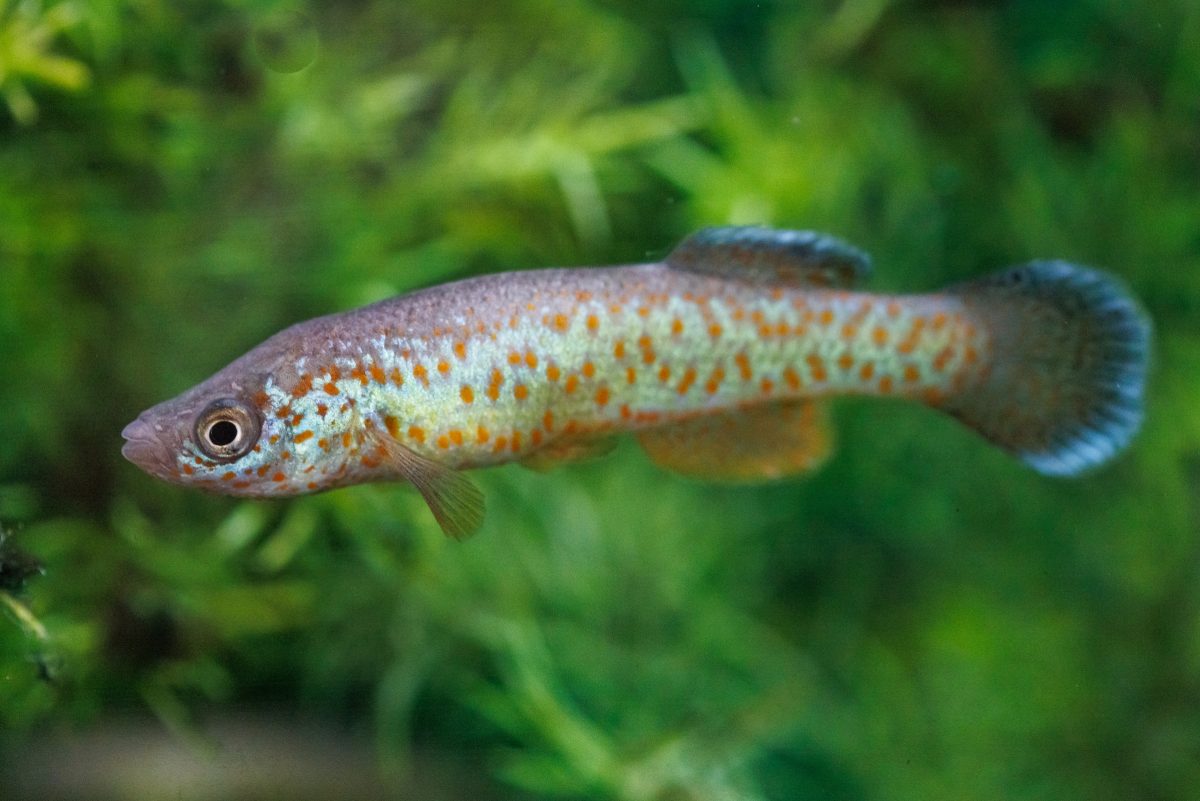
point(756, 444)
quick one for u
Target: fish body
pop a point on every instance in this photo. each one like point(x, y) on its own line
point(717, 357)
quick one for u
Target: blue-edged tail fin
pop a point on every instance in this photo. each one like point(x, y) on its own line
point(1063, 387)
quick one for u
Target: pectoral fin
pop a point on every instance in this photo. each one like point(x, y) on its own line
point(457, 504)
point(762, 443)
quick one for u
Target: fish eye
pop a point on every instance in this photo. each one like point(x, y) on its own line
point(227, 429)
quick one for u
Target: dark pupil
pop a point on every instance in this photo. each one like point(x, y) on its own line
point(222, 433)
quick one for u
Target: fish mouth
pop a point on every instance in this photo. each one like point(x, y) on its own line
point(144, 448)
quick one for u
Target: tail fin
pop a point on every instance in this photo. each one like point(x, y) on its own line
point(1063, 388)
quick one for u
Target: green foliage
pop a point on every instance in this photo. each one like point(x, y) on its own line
point(923, 619)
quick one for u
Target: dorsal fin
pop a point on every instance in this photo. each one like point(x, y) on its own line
point(804, 259)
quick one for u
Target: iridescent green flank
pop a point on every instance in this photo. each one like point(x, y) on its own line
point(716, 357)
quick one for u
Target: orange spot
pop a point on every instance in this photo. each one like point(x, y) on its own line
point(416, 434)
point(689, 378)
point(421, 374)
point(589, 369)
point(460, 350)
point(664, 374)
point(359, 373)
point(885, 385)
point(514, 358)
point(244, 484)
point(817, 367)
point(482, 435)
point(602, 396)
point(261, 399)
point(322, 410)
point(630, 375)
point(278, 477)
point(677, 326)
point(866, 371)
point(792, 378)
point(757, 317)
point(548, 420)
point(323, 444)
point(443, 442)
point(933, 396)
point(845, 361)
point(312, 485)
point(396, 377)
point(552, 373)
point(531, 359)
point(377, 374)
point(643, 311)
point(625, 412)
point(392, 425)
point(893, 308)
point(456, 436)
point(571, 427)
point(619, 350)
point(228, 476)
point(334, 373)
point(188, 469)
point(346, 439)
point(939, 321)
point(849, 331)
point(943, 358)
point(273, 439)
point(739, 314)
point(911, 373)
point(296, 419)
point(592, 322)
point(825, 317)
point(302, 436)
point(520, 392)
point(572, 382)
point(879, 336)
point(303, 386)
point(516, 441)
point(970, 356)
point(536, 437)
point(743, 363)
point(768, 386)
point(443, 367)
point(501, 444)
point(714, 330)
point(583, 296)
point(560, 322)
point(714, 381)
point(648, 356)
point(331, 388)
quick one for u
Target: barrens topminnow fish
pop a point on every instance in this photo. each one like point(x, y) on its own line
point(717, 357)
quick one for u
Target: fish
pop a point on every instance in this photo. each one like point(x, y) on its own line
point(720, 359)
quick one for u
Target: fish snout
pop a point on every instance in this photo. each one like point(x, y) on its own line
point(145, 449)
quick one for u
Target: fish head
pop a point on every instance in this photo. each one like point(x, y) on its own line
point(223, 435)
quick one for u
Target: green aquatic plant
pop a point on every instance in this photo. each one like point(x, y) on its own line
point(921, 620)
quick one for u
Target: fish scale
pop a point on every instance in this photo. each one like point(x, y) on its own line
point(715, 358)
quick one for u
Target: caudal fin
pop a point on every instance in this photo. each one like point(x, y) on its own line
point(1069, 349)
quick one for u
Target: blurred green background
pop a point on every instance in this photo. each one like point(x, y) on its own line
point(924, 619)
